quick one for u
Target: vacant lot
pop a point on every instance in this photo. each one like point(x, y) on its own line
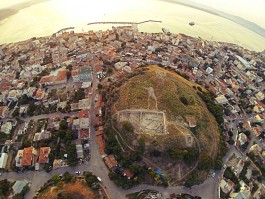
point(77, 190)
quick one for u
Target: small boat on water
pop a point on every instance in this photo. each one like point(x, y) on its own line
point(192, 23)
point(165, 30)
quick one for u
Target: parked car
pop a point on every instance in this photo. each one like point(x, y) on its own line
point(77, 172)
point(99, 179)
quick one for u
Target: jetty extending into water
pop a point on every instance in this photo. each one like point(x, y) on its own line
point(131, 23)
point(64, 29)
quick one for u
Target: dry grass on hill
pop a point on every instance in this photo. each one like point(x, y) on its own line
point(168, 88)
point(76, 190)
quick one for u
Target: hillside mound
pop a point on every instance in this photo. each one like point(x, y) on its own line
point(165, 111)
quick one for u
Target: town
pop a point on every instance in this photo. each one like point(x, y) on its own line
point(51, 107)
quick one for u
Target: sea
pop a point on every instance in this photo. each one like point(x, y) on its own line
point(48, 17)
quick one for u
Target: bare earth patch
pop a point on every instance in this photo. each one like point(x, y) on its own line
point(76, 190)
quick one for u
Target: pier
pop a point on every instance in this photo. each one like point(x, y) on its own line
point(64, 29)
point(131, 23)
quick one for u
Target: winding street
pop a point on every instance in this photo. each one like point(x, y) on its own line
point(207, 190)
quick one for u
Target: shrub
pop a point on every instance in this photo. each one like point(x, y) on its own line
point(184, 100)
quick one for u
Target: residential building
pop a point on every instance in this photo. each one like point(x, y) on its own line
point(3, 160)
point(110, 161)
point(259, 118)
point(84, 104)
point(101, 143)
point(47, 80)
point(83, 117)
point(83, 134)
point(18, 158)
point(29, 157)
point(85, 75)
point(61, 77)
point(43, 135)
point(18, 186)
point(244, 192)
point(79, 151)
point(260, 96)
point(226, 186)
point(6, 127)
point(44, 155)
point(191, 121)
point(256, 149)
point(57, 163)
point(3, 111)
point(221, 99)
point(75, 76)
point(127, 173)
point(242, 138)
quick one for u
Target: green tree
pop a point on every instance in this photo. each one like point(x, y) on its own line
point(135, 169)
point(3, 136)
point(155, 153)
point(69, 135)
point(4, 187)
point(15, 113)
point(72, 155)
point(184, 100)
point(68, 177)
point(90, 178)
point(63, 125)
point(205, 162)
point(56, 178)
point(31, 108)
point(199, 88)
point(191, 156)
point(79, 94)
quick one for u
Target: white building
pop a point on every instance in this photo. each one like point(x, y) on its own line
point(221, 99)
point(260, 96)
point(209, 70)
point(3, 160)
point(6, 128)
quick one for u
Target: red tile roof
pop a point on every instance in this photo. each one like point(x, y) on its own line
point(61, 75)
point(46, 79)
point(83, 114)
point(74, 72)
point(28, 155)
point(100, 128)
point(101, 144)
point(128, 173)
point(84, 134)
point(44, 154)
point(110, 161)
point(39, 94)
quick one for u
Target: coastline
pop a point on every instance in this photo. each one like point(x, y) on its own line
point(7, 12)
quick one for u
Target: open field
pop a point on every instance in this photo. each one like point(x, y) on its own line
point(76, 190)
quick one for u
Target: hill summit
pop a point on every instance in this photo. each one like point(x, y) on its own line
point(165, 111)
